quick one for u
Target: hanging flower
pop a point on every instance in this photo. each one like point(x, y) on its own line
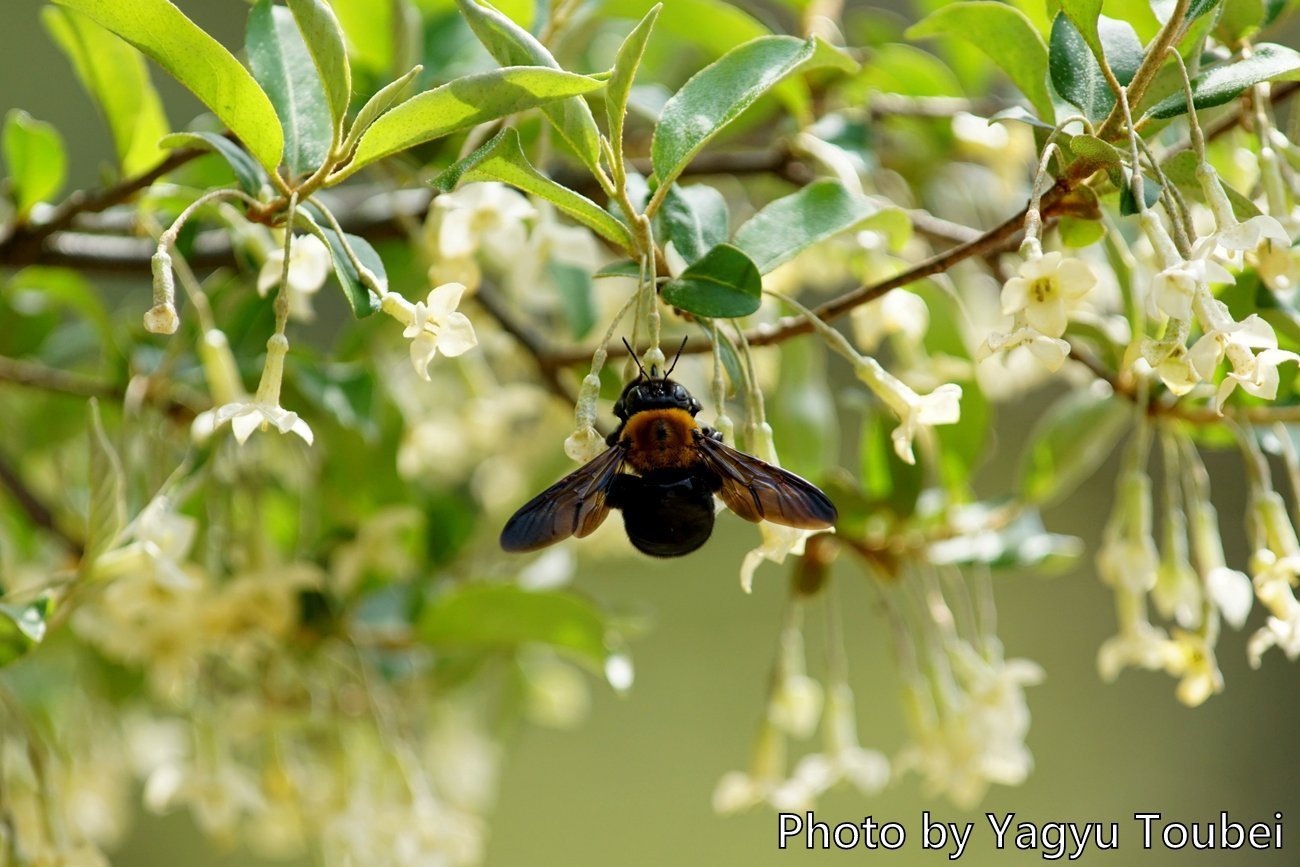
point(898, 312)
point(1044, 289)
point(779, 541)
point(1191, 658)
point(309, 265)
point(487, 216)
point(434, 326)
point(1255, 373)
point(264, 411)
point(1051, 351)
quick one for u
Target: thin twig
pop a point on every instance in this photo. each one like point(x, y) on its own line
point(34, 375)
point(533, 342)
point(24, 244)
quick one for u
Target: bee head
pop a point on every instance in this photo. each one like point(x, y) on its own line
point(650, 391)
point(645, 393)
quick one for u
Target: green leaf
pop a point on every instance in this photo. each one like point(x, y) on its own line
point(1240, 19)
point(117, 79)
point(22, 627)
point(624, 268)
point(324, 38)
point(511, 45)
point(382, 101)
point(369, 26)
point(1224, 83)
point(34, 154)
point(791, 224)
point(496, 617)
point(1075, 71)
point(721, 91)
point(283, 66)
point(1078, 233)
point(361, 299)
point(886, 479)
point(106, 514)
point(1003, 33)
point(464, 103)
point(1181, 171)
point(801, 409)
point(695, 219)
point(626, 64)
point(1083, 15)
point(502, 159)
point(724, 283)
point(1069, 443)
point(199, 62)
point(573, 285)
point(251, 177)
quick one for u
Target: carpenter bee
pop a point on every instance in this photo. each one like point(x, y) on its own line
point(662, 470)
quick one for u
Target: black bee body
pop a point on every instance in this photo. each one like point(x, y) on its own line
point(662, 470)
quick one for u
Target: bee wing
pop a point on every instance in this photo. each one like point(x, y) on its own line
point(757, 491)
point(574, 506)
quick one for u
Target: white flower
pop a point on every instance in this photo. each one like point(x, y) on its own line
point(436, 326)
point(487, 215)
point(162, 541)
point(1176, 286)
point(1275, 578)
point(779, 541)
point(897, 312)
point(1233, 235)
point(1051, 351)
point(249, 416)
point(309, 265)
point(1232, 593)
point(796, 705)
point(914, 411)
point(263, 411)
point(1255, 373)
point(1191, 658)
point(1138, 644)
point(584, 444)
point(551, 241)
point(1127, 558)
point(1043, 290)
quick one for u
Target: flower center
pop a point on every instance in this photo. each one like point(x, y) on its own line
point(1043, 289)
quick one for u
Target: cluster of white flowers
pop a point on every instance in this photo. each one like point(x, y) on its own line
point(1039, 299)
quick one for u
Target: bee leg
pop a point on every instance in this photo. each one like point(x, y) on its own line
point(710, 433)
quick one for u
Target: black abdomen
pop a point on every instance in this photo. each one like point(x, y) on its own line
point(666, 513)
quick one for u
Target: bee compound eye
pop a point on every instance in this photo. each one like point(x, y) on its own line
point(679, 393)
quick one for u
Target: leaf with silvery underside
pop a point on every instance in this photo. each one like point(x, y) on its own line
point(1226, 82)
point(284, 67)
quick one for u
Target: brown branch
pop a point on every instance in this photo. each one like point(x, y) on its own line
point(36, 510)
point(533, 343)
point(1176, 409)
point(24, 245)
point(33, 375)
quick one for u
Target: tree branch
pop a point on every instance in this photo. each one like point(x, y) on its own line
point(35, 509)
point(24, 245)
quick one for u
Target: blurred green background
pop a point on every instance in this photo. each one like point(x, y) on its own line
point(632, 786)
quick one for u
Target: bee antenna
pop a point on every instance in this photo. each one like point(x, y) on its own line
point(635, 359)
point(677, 357)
